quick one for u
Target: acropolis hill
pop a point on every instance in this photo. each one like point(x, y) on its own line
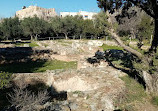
point(31, 11)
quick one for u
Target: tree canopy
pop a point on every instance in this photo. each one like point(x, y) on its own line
point(147, 60)
point(149, 6)
point(101, 23)
point(10, 27)
point(70, 26)
point(34, 26)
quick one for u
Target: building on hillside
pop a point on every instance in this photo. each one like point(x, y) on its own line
point(32, 11)
point(84, 14)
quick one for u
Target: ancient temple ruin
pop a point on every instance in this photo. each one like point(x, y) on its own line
point(32, 11)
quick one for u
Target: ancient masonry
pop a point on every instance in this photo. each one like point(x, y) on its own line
point(32, 11)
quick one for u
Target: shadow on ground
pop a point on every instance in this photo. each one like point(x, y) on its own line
point(126, 61)
point(119, 60)
point(19, 60)
point(14, 42)
point(22, 67)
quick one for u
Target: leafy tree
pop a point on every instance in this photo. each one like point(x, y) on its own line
point(6, 29)
point(34, 27)
point(73, 26)
point(146, 62)
point(11, 27)
point(129, 23)
point(78, 23)
point(16, 28)
point(145, 28)
point(137, 25)
point(79, 26)
point(1, 33)
point(149, 6)
point(89, 28)
point(101, 23)
point(67, 25)
point(55, 24)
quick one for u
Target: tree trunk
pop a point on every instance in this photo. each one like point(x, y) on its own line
point(151, 82)
point(155, 39)
point(74, 37)
point(133, 34)
point(36, 37)
point(31, 37)
point(7, 38)
point(119, 41)
point(66, 36)
point(80, 37)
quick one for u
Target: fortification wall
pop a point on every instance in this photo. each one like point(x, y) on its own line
point(31, 11)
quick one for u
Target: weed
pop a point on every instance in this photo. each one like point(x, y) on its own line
point(134, 93)
point(106, 47)
point(76, 92)
point(154, 100)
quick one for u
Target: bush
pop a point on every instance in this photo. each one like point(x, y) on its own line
point(4, 79)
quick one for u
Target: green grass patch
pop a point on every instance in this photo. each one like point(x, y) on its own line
point(65, 41)
point(36, 66)
point(137, 49)
point(154, 100)
point(134, 93)
point(32, 44)
point(77, 92)
point(56, 64)
point(106, 47)
point(121, 64)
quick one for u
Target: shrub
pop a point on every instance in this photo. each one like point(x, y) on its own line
point(24, 99)
point(4, 79)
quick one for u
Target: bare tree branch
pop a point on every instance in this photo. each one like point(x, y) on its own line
point(25, 100)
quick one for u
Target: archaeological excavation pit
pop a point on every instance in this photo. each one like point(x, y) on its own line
point(83, 88)
point(73, 84)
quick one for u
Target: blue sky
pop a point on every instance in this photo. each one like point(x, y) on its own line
point(9, 7)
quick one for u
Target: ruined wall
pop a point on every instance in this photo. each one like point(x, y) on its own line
point(31, 11)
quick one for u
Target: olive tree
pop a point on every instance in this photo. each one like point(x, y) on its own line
point(67, 26)
point(146, 62)
point(101, 23)
point(34, 27)
point(11, 28)
point(55, 25)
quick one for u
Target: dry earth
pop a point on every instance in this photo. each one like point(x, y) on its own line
point(87, 88)
point(90, 89)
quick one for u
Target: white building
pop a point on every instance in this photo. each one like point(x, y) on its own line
point(84, 14)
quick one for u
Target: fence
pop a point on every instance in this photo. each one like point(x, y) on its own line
point(17, 40)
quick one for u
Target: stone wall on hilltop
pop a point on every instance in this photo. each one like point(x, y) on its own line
point(31, 11)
